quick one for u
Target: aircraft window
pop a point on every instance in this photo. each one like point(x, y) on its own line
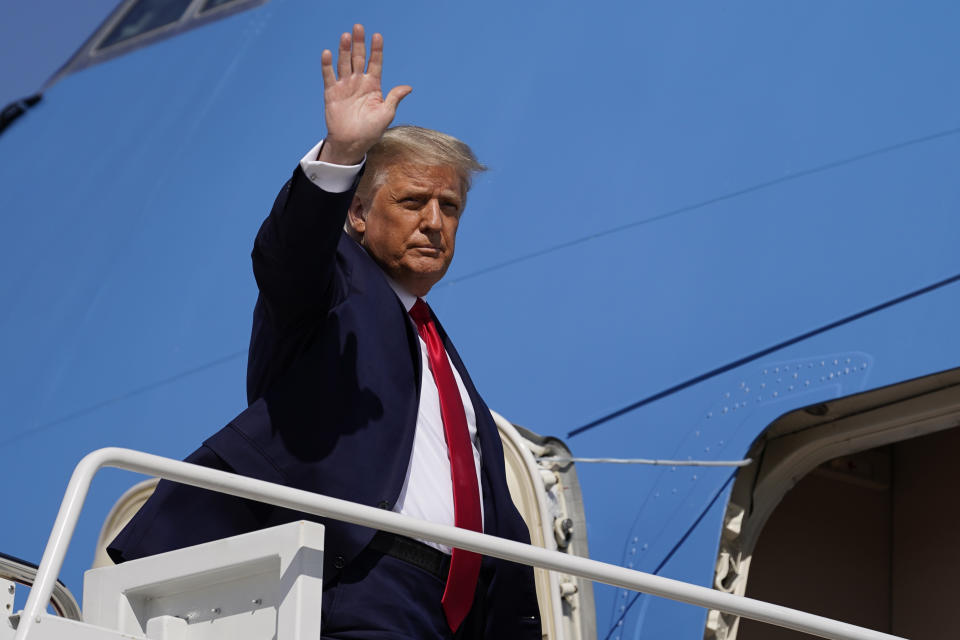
point(135, 24)
point(213, 4)
point(145, 16)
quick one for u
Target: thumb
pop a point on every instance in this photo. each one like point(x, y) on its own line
point(396, 95)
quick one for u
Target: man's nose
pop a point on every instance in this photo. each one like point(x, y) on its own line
point(431, 216)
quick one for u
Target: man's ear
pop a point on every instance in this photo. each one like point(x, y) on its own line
point(357, 218)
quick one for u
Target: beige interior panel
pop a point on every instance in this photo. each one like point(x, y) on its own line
point(872, 539)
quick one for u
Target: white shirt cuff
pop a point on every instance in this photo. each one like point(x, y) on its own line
point(332, 178)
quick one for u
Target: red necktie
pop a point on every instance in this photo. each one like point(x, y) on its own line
point(464, 565)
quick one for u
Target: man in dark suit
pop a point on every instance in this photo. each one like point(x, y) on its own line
point(356, 391)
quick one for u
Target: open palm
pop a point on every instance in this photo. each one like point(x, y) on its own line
point(356, 111)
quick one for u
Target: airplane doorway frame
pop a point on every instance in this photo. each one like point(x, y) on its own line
point(798, 442)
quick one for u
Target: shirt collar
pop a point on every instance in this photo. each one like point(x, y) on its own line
point(406, 299)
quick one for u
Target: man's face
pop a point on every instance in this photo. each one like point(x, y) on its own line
point(410, 224)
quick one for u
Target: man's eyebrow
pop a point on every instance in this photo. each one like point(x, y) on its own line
point(418, 190)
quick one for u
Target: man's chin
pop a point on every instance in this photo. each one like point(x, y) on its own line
point(426, 265)
point(419, 278)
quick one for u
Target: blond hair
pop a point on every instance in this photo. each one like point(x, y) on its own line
point(407, 143)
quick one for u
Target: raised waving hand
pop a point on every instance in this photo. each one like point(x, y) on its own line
point(355, 109)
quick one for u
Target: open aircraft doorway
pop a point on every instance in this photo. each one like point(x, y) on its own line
point(848, 514)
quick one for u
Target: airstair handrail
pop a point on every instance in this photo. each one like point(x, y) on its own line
point(325, 506)
point(24, 572)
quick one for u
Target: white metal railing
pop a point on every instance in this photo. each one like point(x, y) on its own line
point(746, 462)
point(23, 572)
point(320, 505)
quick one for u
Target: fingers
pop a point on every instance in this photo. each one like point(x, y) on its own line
point(326, 68)
point(359, 56)
point(375, 66)
point(343, 56)
point(352, 54)
point(396, 95)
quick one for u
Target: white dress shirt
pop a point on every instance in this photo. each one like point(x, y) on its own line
point(427, 491)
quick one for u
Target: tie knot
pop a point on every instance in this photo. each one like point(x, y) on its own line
point(420, 312)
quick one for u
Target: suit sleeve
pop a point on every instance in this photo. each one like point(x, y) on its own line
point(294, 263)
point(178, 515)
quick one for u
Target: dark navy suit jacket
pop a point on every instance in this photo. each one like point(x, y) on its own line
point(334, 380)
